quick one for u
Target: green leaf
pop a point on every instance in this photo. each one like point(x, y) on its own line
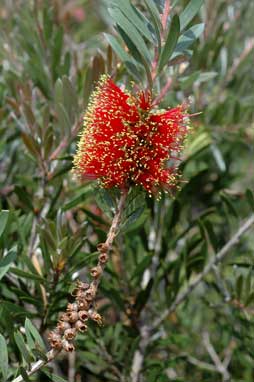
point(3, 357)
point(250, 198)
point(78, 199)
point(239, 287)
point(131, 32)
point(186, 39)
point(142, 266)
point(53, 377)
point(143, 296)
point(6, 262)
point(27, 275)
point(155, 16)
point(124, 57)
point(24, 374)
point(190, 12)
point(170, 43)
point(33, 336)
point(229, 205)
point(40, 355)
point(129, 11)
point(22, 347)
point(4, 214)
point(218, 158)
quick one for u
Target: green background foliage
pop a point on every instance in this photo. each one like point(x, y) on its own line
point(52, 53)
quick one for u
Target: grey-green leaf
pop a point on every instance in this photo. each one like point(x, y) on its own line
point(129, 11)
point(4, 214)
point(170, 43)
point(33, 335)
point(190, 12)
point(3, 357)
point(6, 262)
point(22, 347)
point(131, 32)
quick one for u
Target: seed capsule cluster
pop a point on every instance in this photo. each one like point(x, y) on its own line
point(75, 318)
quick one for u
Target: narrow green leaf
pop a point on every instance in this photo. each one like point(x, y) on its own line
point(190, 12)
point(154, 11)
point(24, 374)
point(124, 57)
point(186, 39)
point(170, 43)
point(22, 347)
point(218, 158)
point(78, 199)
point(142, 266)
point(250, 198)
point(32, 331)
point(129, 11)
point(27, 275)
point(4, 214)
point(31, 144)
point(239, 287)
point(53, 377)
point(131, 32)
point(6, 262)
point(40, 355)
point(3, 357)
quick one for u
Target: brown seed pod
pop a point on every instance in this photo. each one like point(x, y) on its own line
point(103, 258)
point(67, 346)
point(55, 340)
point(72, 307)
point(96, 271)
point(73, 316)
point(96, 317)
point(81, 285)
point(83, 304)
point(62, 326)
point(64, 317)
point(80, 326)
point(102, 247)
point(83, 315)
point(80, 294)
point(69, 334)
point(89, 295)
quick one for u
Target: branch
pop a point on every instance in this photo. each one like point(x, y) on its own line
point(38, 365)
point(67, 328)
point(145, 334)
point(65, 142)
point(215, 260)
point(220, 367)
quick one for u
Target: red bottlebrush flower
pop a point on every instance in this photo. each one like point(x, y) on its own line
point(126, 142)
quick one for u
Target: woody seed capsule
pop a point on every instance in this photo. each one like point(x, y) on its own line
point(64, 317)
point(96, 317)
point(73, 316)
point(89, 295)
point(96, 272)
point(103, 258)
point(83, 315)
point(81, 326)
point(83, 304)
point(62, 326)
point(71, 307)
point(102, 247)
point(55, 340)
point(81, 285)
point(67, 346)
point(69, 334)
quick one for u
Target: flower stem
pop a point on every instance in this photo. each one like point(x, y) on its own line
point(91, 289)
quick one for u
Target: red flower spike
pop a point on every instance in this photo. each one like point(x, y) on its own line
point(125, 142)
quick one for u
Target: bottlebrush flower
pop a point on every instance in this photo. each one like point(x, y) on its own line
point(126, 142)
